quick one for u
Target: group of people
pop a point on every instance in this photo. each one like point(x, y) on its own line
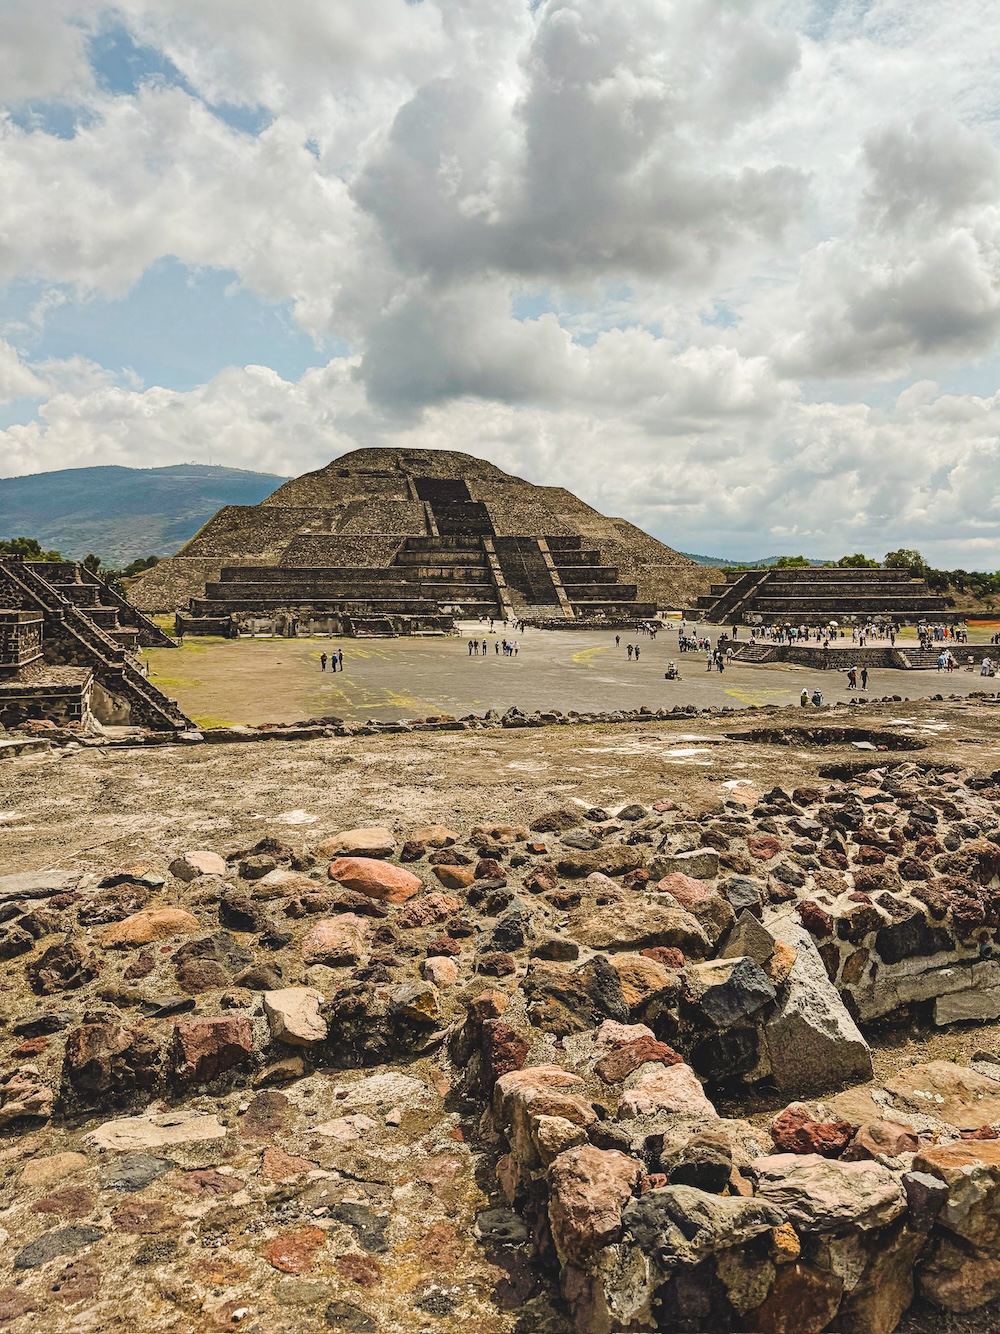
point(479, 648)
point(631, 649)
point(336, 661)
point(929, 635)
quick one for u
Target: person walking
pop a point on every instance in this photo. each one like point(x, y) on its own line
point(864, 678)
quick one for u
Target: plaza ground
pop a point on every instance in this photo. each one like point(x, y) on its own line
point(221, 682)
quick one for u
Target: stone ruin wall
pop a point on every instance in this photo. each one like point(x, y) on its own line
point(579, 992)
point(341, 550)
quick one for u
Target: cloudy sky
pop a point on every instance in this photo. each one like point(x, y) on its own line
point(730, 268)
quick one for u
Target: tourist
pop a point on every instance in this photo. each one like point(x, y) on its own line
point(629, 647)
point(322, 662)
point(864, 678)
point(496, 647)
point(340, 659)
point(637, 652)
point(804, 697)
point(852, 678)
point(485, 646)
point(470, 648)
point(817, 698)
point(618, 641)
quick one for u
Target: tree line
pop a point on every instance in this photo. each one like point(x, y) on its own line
point(29, 548)
point(978, 584)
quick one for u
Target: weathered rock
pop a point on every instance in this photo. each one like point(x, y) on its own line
point(134, 1171)
point(337, 940)
point(294, 1017)
point(704, 1162)
point(743, 895)
point(378, 879)
point(726, 992)
point(926, 1196)
point(951, 1092)
point(880, 1138)
point(190, 865)
point(521, 1096)
point(678, 1225)
point(803, 1300)
point(639, 977)
point(563, 1000)
point(371, 842)
point(638, 923)
point(442, 971)
point(427, 910)
point(205, 1048)
point(455, 877)
point(588, 1189)
point(143, 927)
point(675, 1090)
point(156, 1132)
point(613, 859)
point(821, 1196)
point(44, 1171)
point(971, 1171)
point(64, 966)
point(619, 1063)
point(417, 1003)
point(958, 1277)
point(110, 1064)
point(795, 1131)
point(23, 1093)
point(697, 864)
point(63, 1241)
point(434, 836)
point(747, 938)
point(812, 1041)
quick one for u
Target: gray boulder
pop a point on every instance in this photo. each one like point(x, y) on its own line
point(812, 1041)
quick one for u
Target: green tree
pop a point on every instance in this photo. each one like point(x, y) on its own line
point(906, 559)
point(790, 563)
point(29, 548)
point(137, 566)
point(858, 561)
point(92, 562)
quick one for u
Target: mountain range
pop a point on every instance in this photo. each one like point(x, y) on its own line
point(121, 514)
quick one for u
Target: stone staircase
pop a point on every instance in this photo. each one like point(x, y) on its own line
point(813, 595)
point(73, 635)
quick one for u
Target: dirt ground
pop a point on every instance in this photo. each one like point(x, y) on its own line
point(218, 681)
point(91, 809)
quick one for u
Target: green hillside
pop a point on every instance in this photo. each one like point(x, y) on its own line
point(121, 514)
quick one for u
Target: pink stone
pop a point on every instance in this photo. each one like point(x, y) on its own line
point(377, 879)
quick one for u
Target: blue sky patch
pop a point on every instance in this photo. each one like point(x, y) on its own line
point(177, 327)
point(121, 66)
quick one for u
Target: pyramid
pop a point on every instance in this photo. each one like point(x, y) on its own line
point(393, 540)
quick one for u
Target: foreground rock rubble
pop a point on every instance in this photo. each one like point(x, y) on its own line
point(407, 1078)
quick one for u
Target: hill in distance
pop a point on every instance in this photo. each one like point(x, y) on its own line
point(759, 563)
point(121, 514)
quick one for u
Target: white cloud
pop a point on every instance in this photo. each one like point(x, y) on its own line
point(707, 208)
